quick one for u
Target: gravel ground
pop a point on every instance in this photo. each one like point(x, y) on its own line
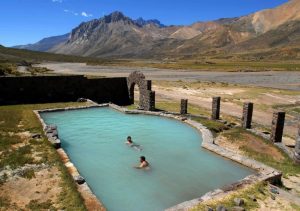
point(273, 79)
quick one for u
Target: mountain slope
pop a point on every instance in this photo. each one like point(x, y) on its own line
point(45, 44)
point(286, 35)
point(117, 35)
point(265, 20)
point(280, 43)
point(113, 35)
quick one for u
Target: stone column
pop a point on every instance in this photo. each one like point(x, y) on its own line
point(149, 85)
point(216, 108)
point(152, 101)
point(183, 106)
point(297, 147)
point(277, 126)
point(247, 115)
point(149, 101)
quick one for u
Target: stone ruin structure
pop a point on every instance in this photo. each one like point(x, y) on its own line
point(184, 106)
point(216, 104)
point(247, 115)
point(277, 126)
point(147, 96)
point(297, 147)
point(120, 91)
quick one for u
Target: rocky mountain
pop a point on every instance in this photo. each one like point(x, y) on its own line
point(117, 35)
point(114, 35)
point(143, 22)
point(266, 20)
point(45, 44)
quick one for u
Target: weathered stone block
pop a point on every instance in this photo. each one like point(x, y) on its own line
point(237, 208)
point(79, 179)
point(149, 85)
point(247, 115)
point(216, 108)
point(36, 136)
point(277, 126)
point(238, 201)
point(221, 208)
point(151, 102)
point(184, 106)
point(297, 147)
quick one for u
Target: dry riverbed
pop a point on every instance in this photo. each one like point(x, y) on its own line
point(283, 80)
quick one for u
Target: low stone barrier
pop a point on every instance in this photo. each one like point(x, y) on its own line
point(90, 200)
point(264, 172)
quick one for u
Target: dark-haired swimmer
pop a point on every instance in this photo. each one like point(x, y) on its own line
point(130, 143)
point(143, 163)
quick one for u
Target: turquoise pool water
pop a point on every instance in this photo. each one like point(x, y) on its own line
point(180, 170)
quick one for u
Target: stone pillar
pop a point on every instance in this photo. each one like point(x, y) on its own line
point(152, 101)
point(183, 106)
point(149, 101)
point(297, 147)
point(216, 108)
point(149, 85)
point(277, 126)
point(247, 115)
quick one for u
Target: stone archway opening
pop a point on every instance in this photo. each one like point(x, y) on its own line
point(134, 95)
point(139, 88)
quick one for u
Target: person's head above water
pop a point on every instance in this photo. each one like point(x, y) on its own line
point(142, 158)
point(143, 163)
point(129, 139)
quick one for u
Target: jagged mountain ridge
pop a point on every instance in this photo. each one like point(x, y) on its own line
point(117, 35)
point(114, 34)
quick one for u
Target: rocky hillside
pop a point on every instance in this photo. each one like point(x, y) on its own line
point(114, 34)
point(45, 44)
point(117, 35)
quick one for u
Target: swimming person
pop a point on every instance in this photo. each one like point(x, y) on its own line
point(129, 140)
point(143, 163)
point(130, 143)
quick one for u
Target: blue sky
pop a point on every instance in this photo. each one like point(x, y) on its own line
point(27, 21)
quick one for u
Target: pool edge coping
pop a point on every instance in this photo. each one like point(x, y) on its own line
point(264, 172)
point(91, 201)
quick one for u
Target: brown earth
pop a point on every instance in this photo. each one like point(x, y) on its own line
point(233, 99)
point(43, 187)
point(286, 200)
point(251, 143)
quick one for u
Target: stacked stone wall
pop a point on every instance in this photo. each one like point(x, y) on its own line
point(48, 89)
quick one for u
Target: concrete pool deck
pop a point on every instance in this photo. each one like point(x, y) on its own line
point(264, 172)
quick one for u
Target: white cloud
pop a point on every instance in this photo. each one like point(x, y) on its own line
point(84, 14)
point(72, 12)
point(58, 1)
